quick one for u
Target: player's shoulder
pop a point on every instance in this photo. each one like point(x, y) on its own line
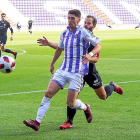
point(7, 21)
point(86, 31)
point(82, 29)
point(66, 30)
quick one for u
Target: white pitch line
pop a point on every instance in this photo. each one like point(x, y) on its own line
point(23, 51)
point(99, 58)
point(64, 88)
point(119, 59)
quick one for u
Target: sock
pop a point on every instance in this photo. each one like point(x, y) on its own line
point(70, 114)
point(29, 32)
point(9, 51)
point(0, 53)
point(43, 108)
point(79, 105)
point(109, 89)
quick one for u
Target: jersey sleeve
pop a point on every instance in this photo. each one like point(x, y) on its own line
point(91, 38)
point(9, 26)
point(61, 44)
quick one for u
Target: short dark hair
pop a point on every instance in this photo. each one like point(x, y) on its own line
point(94, 21)
point(3, 14)
point(75, 12)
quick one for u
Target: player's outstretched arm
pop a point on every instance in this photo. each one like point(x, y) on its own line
point(45, 42)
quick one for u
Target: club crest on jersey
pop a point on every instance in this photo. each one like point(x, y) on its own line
point(76, 35)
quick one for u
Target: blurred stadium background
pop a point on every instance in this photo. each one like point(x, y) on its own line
point(52, 14)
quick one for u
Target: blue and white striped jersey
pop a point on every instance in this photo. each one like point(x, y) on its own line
point(75, 44)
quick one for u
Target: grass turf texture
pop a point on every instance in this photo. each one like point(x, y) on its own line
point(116, 118)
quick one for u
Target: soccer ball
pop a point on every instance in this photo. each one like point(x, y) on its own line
point(7, 64)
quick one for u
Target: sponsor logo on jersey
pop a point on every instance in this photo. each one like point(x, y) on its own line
point(96, 82)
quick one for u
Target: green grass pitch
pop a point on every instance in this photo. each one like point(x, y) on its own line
point(21, 91)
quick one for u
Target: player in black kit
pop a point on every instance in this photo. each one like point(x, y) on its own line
point(93, 78)
point(4, 25)
point(30, 23)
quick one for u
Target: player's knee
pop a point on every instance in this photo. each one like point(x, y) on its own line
point(3, 49)
point(70, 103)
point(49, 94)
point(102, 97)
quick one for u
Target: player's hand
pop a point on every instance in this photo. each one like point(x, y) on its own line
point(11, 38)
point(43, 42)
point(52, 69)
point(86, 58)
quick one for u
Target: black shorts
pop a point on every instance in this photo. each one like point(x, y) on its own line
point(93, 80)
point(30, 27)
point(18, 27)
point(3, 41)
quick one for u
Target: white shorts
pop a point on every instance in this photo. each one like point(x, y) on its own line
point(75, 80)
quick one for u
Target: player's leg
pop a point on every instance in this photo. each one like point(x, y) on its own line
point(0, 51)
point(8, 50)
point(52, 89)
point(78, 104)
point(69, 121)
point(1, 44)
point(101, 91)
point(104, 92)
point(56, 83)
point(31, 31)
point(94, 81)
point(75, 86)
point(70, 116)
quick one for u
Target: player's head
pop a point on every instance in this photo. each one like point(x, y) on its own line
point(3, 15)
point(90, 22)
point(74, 17)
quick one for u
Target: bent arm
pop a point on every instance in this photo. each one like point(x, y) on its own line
point(56, 56)
point(94, 59)
point(12, 32)
point(96, 49)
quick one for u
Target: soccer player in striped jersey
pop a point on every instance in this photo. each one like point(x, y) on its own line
point(74, 40)
point(93, 78)
point(4, 25)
